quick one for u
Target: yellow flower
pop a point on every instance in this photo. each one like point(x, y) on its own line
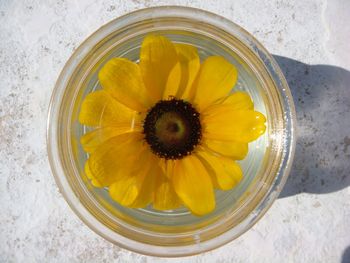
point(168, 129)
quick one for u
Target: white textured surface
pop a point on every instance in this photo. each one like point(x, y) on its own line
point(311, 220)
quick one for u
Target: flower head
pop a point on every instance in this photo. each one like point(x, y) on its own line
point(168, 129)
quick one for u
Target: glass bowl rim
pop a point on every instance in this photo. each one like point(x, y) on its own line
point(156, 250)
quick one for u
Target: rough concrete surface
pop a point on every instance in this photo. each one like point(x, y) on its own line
point(310, 222)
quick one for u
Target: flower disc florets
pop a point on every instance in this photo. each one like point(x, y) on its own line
point(172, 128)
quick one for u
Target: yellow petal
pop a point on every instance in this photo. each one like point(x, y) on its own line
point(224, 172)
point(116, 158)
point(181, 78)
point(122, 79)
point(125, 191)
point(233, 149)
point(173, 82)
point(214, 81)
point(100, 109)
point(223, 123)
point(165, 197)
point(90, 176)
point(193, 185)
point(239, 101)
point(157, 58)
point(146, 194)
point(167, 167)
point(92, 140)
point(135, 190)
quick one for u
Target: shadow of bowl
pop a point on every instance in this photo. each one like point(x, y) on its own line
point(322, 100)
point(346, 256)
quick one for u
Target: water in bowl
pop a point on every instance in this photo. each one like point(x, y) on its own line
point(225, 200)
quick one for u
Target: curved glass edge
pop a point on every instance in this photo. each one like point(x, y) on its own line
point(53, 147)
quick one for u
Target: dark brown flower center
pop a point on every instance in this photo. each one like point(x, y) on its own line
point(172, 128)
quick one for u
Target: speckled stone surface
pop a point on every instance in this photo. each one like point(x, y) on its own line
point(310, 222)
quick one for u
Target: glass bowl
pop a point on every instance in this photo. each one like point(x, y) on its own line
point(173, 233)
